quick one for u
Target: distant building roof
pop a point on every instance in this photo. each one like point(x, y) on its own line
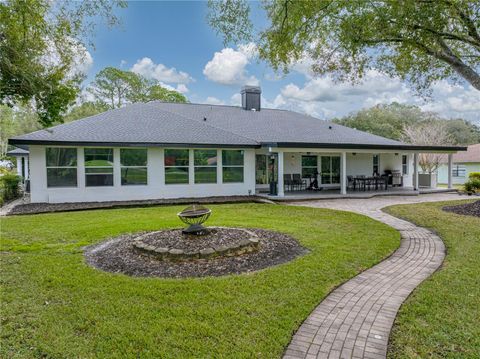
point(472, 154)
point(167, 124)
point(18, 152)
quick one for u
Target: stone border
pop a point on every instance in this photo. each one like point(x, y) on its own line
point(247, 245)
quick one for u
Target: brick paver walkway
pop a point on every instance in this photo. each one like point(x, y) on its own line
point(355, 320)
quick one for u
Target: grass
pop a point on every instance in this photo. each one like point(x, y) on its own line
point(441, 319)
point(55, 306)
point(455, 186)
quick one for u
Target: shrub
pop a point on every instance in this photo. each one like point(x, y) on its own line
point(9, 185)
point(474, 175)
point(473, 185)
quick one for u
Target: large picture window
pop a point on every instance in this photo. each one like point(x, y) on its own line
point(232, 163)
point(205, 162)
point(133, 166)
point(98, 167)
point(309, 166)
point(176, 166)
point(61, 167)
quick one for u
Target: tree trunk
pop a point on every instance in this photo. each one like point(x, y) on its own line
point(465, 71)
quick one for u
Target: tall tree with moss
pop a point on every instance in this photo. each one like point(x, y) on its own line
point(417, 40)
point(41, 42)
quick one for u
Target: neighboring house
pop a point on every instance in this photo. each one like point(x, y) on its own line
point(464, 163)
point(22, 161)
point(171, 150)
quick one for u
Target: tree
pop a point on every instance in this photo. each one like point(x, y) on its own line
point(15, 122)
point(85, 109)
point(116, 87)
point(40, 44)
point(418, 40)
point(428, 133)
point(384, 120)
point(390, 120)
point(157, 92)
point(463, 132)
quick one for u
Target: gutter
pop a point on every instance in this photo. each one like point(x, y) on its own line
point(16, 142)
point(365, 146)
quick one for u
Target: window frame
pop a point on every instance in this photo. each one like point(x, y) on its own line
point(376, 164)
point(47, 167)
point(310, 167)
point(242, 166)
point(457, 168)
point(99, 167)
point(195, 166)
point(133, 167)
point(165, 166)
point(405, 165)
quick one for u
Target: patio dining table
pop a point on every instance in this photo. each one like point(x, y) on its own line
point(377, 180)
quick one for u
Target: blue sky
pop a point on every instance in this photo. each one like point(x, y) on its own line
point(172, 43)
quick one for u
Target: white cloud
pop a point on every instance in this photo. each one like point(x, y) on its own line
point(82, 60)
point(146, 67)
point(123, 63)
point(228, 67)
point(322, 97)
point(210, 100)
point(182, 88)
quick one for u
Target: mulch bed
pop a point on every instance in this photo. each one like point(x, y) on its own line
point(33, 208)
point(174, 238)
point(469, 209)
point(117, 255)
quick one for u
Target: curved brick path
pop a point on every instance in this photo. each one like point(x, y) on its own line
point(355, 320)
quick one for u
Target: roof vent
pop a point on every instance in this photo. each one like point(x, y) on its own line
point(251, 98)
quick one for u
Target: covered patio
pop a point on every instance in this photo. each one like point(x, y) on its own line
point(299, 173)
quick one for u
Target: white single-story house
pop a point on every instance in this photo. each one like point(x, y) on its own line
point(160, 150)
point(464, 163)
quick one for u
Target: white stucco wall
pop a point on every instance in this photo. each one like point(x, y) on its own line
point(155, 189)
point(359, 164)
point(442, 172)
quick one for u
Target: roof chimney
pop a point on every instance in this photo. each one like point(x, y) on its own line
point(251, 98)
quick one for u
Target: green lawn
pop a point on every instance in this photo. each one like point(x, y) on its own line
point(442, 317)
point(54, 306)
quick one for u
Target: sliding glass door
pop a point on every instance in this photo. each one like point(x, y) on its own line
point(265, 169)
point(330, 169)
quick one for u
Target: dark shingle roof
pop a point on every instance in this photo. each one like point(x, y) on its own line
point(161, 123)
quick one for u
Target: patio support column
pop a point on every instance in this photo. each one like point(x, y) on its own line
point(19, 166)
point(415, 171)
point(27, 174)
point(280, 174)
point(450, 164)
point(343, 173)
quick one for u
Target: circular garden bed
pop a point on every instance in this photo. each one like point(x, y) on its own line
point(171, 253)
point(469, 209)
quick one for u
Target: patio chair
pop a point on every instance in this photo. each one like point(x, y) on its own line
point(298, 181)
point(349, 181)
point(287, 181)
